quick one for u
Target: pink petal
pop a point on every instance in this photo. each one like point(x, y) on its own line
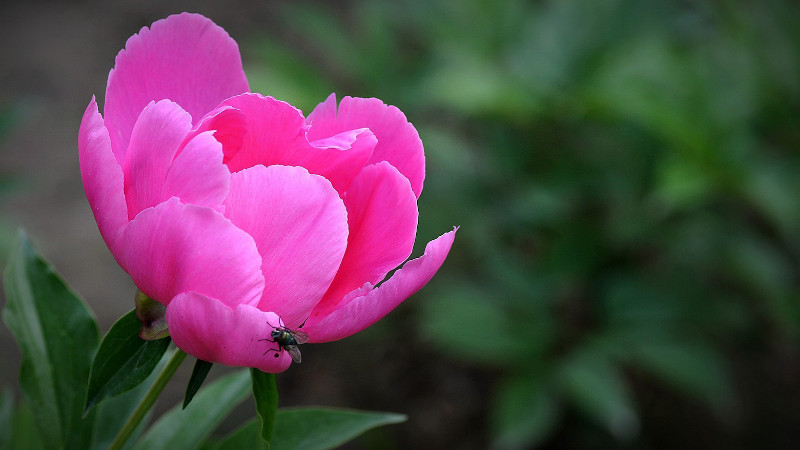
point(174, 248)
point(299, 224)
point(276, 135)
point(398, 140)
point(229, 126)
point(197, 175)
point(274, 129)
point(364, 307)
point(382, 219)
point(102, 176)
point(185, 58)
point(158, 132)
point(341, 157)
point(208, 329)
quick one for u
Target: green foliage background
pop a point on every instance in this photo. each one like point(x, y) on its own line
point(626, 176)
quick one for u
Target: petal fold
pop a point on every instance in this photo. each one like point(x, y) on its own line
point(276, 135)
point(398, 140)
point(197, 175)
point(159, 131)
point(186, 58)
point(366, 306)
point(208, 329)
point(229, 126)
point(102, 176)
point(299, 224)
point(382, 219)
point(174, 248)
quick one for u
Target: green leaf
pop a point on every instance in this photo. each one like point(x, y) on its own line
point(57, 336)
point(246, 436)
point(451, 321)
point(112, 413)
point(6, 418)
point(199, 374)
point(188, 428)
point(123, 361)
point(596, 387)
point(265, 393)
point(25, 435)
point(318, 428)
point(308, 428)
point(525, 412)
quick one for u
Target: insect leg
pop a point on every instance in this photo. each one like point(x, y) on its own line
point(271, 325)
point(277, 352)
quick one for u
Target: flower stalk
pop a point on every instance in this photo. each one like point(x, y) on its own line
point(148, 401)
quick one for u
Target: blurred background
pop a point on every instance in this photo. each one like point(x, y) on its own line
point(625, 174)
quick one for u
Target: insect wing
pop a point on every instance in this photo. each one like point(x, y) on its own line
point(301, 337)
point(294, 352)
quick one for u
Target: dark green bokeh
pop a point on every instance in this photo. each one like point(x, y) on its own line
point(626, 177)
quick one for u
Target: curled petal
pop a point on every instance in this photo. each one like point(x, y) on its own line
point(197, 175)
point(276, 135)
point(274, 130)
point(382, 219)
point(186, 58)
point(341, 157)
point(398, 140)
point(174, 248)
point(159, 131)
point(208, 329)
point(102, 176)
point(364, 307)
point(229, 127)
point(299, 224)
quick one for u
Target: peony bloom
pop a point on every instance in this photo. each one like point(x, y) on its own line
point(238, 213)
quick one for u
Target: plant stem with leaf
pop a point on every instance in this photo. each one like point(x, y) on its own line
point(148, 400)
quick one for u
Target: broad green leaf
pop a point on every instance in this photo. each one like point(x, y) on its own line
point(465, 324)
point(186, 429)
point(265, 393)
point(246, 436)
point(490, 88)
point(648, 81)
point(525, 412)
point(25, 435)
point(596, 386)
point(318, 428)
point(308, 428)
point(57, 336)
point(123, 361)
point(199, 374)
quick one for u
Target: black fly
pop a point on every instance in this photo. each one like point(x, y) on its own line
point(287, 340)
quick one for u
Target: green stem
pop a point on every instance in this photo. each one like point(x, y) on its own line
point(148, 400)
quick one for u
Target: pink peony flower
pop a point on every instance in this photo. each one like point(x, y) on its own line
point(240, 214)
